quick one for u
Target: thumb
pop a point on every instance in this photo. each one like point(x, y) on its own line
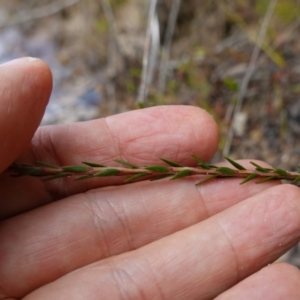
point(25, 87)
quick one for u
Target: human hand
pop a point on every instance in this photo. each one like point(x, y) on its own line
point(147, 240)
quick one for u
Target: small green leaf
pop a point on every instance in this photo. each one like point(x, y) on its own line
point(160, 177)
point(126, 163)
point(171, 163)
point(134, 177)
point(57, 176)
point(231, 84)
point(197, 158)
point(84, 177)
point(265, 179)
point(206, 179)
point(200, 161)
point(159, 169)
point(93, 165)
point(296, 180)
point(249, 178)
point(202, 164)
point(259, 168)
point(225, 171)
point(235, 164)
point(281, 172)
point(33, 171)
point(183, 173)
point(107, 172)
point(75, 169)
point(45, 164)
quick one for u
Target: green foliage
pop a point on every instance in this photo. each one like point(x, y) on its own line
point(135, 177)
point(57, 176)
point(75, 169)
point(155, 172)
point(101, 25)
point(235, 164)
point(158, 169)
point(286, 11)
point(225, 171)
point(47, 165)
point(171, 163)
point(231, 84)
point(107, 172)
point(206, 179)
point(94, 165)
point(249, 178)
point(260, 168)
point(181, 174)
point(126, 163)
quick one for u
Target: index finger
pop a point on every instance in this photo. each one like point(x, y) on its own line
point(141, 136)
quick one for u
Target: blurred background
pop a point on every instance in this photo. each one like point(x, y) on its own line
point(238, 59)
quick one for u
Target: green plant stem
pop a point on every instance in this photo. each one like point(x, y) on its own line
point(133, 172)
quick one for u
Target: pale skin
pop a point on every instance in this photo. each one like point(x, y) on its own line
point(147, 240)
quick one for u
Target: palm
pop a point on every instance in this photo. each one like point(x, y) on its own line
point(163, 240)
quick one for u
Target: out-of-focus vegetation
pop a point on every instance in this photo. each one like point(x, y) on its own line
point(98, 47)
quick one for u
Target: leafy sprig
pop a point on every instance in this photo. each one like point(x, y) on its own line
point(170, 169)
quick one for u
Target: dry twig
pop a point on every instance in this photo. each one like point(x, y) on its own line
point(167, 45)
point(150, 52)
point(249, 73)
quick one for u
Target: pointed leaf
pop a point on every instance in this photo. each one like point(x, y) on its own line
point(33, 171)
point(197, 158)
point(159, 169)
point(281, 172)
point(183, 173)
point(204, 166)
point(225, 171)
point(134, 177)
point(160, 177)
point(75, 169)
point(93, 165)
point(84, 177)
point(126, 163)
point(45, 164)
point(265, 179)
point(296, 180)
point(259, 168)
point(206, 179)
point(107, 172)
point(171, 163)
point(60, 175)
point(201, 163)
point(235, 164)
point(249, 178)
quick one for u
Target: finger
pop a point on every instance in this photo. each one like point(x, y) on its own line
point(141, 137)
point(24, 92)
point(199, 262)
point(138, 136)
point(106, 222)
point(276, 282)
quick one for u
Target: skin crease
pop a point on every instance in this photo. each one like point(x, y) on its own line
point(162, 240)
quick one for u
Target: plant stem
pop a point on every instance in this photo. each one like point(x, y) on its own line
point(133, 172)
